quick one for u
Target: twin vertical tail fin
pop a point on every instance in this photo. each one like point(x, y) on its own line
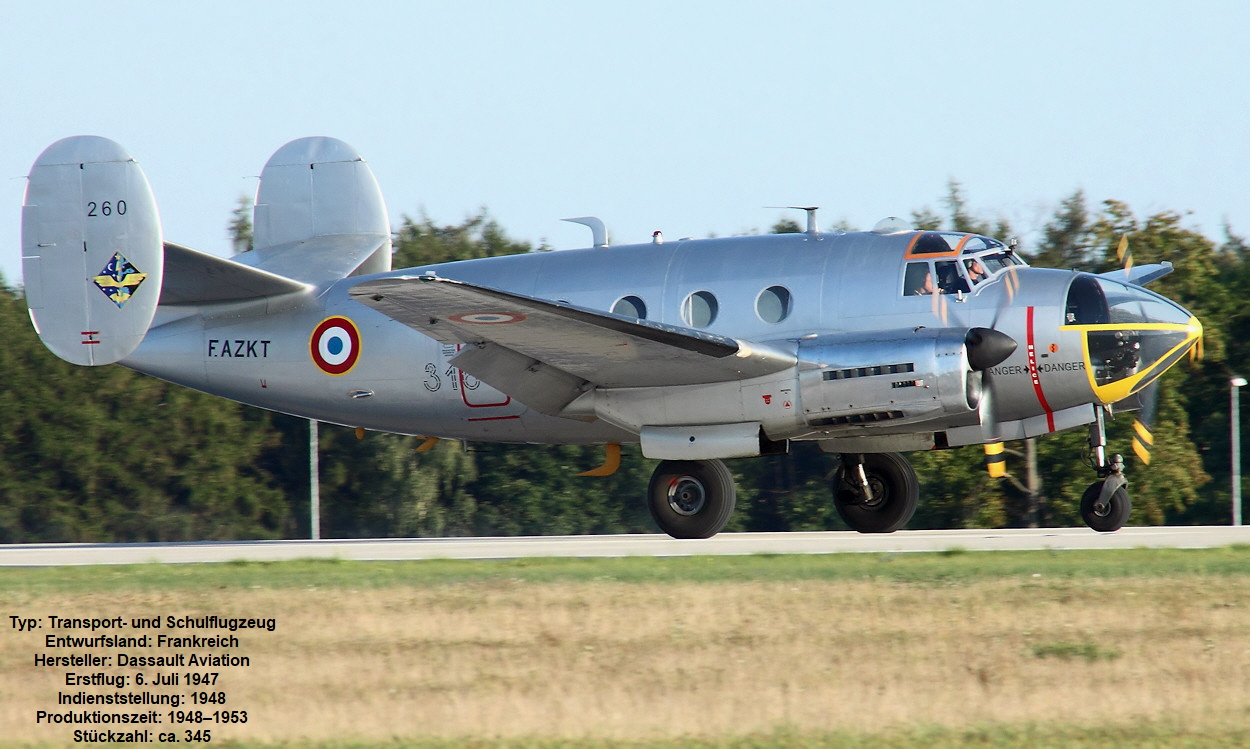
point(319, 214)
point(93, 258)
point(92, 253)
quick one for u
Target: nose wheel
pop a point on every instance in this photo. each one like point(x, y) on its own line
point(1105, 509)
point(1105, 505)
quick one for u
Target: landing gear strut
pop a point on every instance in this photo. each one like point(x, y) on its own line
point(1105, 505)
point(875, 492)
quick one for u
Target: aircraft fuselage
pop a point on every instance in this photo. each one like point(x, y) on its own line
point(847, 286)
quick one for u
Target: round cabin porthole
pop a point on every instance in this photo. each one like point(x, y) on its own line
point(699, 310)
point(773, 304)
point(630, 306)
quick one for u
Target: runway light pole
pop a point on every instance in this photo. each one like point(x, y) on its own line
point(314, 482)
point(1235, 386)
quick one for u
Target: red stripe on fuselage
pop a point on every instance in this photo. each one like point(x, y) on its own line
point(1033, 373)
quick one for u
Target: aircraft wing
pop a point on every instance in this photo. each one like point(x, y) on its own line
point(546, 353)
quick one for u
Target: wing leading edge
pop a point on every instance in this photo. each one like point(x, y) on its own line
point(547, 353)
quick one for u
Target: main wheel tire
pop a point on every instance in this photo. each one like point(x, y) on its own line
point(895, 494)
point(1105, 518)
point(691, 498)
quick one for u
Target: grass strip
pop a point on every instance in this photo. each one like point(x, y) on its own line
point(928, 568)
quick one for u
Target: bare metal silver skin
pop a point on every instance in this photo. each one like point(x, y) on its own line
point(866, 342)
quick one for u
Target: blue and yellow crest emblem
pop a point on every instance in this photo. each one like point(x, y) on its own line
point(119, 279)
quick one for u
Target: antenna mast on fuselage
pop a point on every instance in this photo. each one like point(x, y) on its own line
point(811, 215)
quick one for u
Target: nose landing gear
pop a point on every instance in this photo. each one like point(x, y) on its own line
point(1105, 505)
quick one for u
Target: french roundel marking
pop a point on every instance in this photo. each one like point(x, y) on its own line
point(487, 318)
point(335, 345)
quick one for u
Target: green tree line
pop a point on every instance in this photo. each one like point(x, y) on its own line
point(105, 454)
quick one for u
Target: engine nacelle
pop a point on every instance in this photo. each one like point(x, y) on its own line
point(898, 376)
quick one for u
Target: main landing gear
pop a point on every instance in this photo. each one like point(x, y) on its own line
point(691, 498)
point(1105, 505)
point(872, 492)
point(875, 492)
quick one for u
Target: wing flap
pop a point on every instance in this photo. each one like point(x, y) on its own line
point(589, 346)
point(535, 384)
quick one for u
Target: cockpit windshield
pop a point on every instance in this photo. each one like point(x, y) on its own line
point(996, 261)
point(950, 263)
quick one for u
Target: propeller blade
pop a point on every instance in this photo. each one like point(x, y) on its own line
point(939, 305)
point(1195, 351)
point(1013, 282)
point(995, 460)
point(986, 410)
point(1143, 437)
point(1124, 255)
point(988, 348)
point(1143, 441)
point(1011, 285)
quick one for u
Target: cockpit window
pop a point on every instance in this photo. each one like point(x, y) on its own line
point(975, 268)
point(980, 267)
point(972, 260)
point(935, 243)
point(948, 278)
point(918, 280)
point(996, 261)
point(977, 243)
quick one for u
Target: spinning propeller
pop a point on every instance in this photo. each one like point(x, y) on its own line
point(1143, 438)
point(995, 460)
point(988, 348)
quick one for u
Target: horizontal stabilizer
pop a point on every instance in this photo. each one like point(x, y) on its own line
point(320, 259)
point(1139, 274)
point(193, 277)
point(92, 260)
point(596, 347)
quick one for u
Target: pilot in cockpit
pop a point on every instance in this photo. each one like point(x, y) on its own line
point(976, 272)
point(919, 280)
point(948, 278)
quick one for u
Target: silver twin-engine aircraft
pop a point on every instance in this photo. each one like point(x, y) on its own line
point(869, 343)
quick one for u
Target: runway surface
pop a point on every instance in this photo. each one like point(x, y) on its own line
point(1189, 537)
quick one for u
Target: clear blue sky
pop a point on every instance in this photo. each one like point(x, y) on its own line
point(688, 117)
